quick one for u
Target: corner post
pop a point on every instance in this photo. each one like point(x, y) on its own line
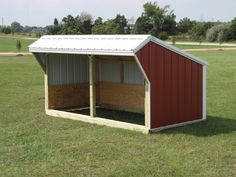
point(146, 102)
point(92, 87)
point(46, 83)
point(204, 93)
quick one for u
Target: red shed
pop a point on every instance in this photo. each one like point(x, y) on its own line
point(137, 74)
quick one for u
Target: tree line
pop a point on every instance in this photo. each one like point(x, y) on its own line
point(155, 20)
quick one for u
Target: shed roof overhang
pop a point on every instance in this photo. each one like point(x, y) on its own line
point(122, 45)
point(89, 44)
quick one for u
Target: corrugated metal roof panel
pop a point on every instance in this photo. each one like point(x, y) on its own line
point(101, 45)
point(86, 43)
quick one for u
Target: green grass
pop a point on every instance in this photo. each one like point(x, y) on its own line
point(33, 144)
point(200, 46)
point(8, 44)
point(20, 35)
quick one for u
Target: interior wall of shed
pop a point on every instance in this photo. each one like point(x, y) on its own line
point(68, 85)
point(119, 82)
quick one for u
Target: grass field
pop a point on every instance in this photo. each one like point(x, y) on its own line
point(8, 44)
point(33, 144)
point(200, 46)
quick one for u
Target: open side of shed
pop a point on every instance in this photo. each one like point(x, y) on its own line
point(93, 78)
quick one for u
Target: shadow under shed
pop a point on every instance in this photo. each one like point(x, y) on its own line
point(212, 126)
point(118, 115)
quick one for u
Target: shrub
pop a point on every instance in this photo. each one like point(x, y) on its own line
point(163, 35)
point(198, 32)
point(213, 33)
point(6, 29)
point(18, 45)
point(38, 34)
point(173, 39)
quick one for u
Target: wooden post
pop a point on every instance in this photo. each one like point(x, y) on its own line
point(92, 89)
point(146, 102)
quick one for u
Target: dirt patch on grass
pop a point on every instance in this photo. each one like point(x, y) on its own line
point(13, 54)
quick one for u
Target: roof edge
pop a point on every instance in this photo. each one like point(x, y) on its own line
point(170, 47)
point(87, 52)
point(147, 40)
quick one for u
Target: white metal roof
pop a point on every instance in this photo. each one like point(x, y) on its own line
point(89, 44)
point(100, 45)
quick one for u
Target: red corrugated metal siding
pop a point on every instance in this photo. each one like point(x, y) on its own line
point(176, 85)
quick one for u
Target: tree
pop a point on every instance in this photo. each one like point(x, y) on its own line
point(98, 21)
point(169, 24)
point(121, 21)
point(142, 25)
point(231, 32)
point(198, 32)
point(18, 45)
point(69, 25)
point(55, 28)
point(81, 24)
point(156, 21)
point(84, 23)
point(108, 27)
point(16, 27)
point(118, 25)
point(213, 33)
point(185, 25)
point(6, 29)
point(56, 22)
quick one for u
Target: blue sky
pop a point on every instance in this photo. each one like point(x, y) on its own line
point(42, 12)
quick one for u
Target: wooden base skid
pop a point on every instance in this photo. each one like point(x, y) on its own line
point(97, 120)
point(113, 123)
point(176, 125)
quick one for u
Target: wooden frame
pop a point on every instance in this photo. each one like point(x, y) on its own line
point(98, 120)
point(92, 98)
point(92, 86)
point(146, 104)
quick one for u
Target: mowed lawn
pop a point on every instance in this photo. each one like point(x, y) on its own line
point(33, 144)
point(181, 46)
point(8, 44)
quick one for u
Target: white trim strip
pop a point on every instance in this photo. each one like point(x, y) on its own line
point(204, 92)
point(141, 68)
point(97, 120)
point(126, 53)
point(142, 44)
point(178, 51)
point(149, 89)
point(176, 125)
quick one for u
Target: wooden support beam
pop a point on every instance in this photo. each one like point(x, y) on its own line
point(115, 59)
point(92, 89)
point(146, 104)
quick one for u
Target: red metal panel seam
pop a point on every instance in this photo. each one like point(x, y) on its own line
point(184, 85)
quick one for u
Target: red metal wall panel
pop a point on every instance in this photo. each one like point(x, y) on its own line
point(176, 85)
